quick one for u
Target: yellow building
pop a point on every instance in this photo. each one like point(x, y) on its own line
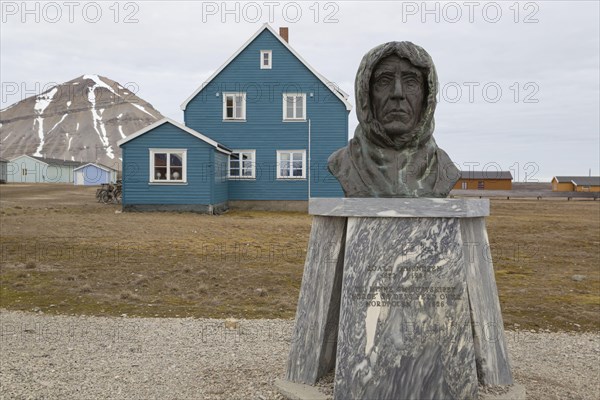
point(484, 180)
point(576, 184)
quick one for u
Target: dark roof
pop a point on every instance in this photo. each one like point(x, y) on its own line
point(3, 160)
point(491, 174)
point(579, 180)
point(587, 181)
point(102, 165)
point(56, 161)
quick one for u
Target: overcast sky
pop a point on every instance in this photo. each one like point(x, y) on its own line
point(519, 81)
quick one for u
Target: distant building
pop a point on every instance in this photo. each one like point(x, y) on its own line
point(576, 184)
point(94, 174)
point(484, 180)
point(3, 169)
point(32, 169)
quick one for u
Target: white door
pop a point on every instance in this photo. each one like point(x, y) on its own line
point(79, 177)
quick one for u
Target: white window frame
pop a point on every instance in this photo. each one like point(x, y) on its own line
point(235, 117)
point(253, 176)
point(279, 153)
point(182, 152)
point(262, 56)
point(293, 117)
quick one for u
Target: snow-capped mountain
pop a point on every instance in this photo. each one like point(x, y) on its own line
point(79, 120)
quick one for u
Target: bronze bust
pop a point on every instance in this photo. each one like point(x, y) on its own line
point(393, 153)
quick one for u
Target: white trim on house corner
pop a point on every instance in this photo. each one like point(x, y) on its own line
point(151, 165)
point(270, 58)
point(339, 93)
point(279, 176)
point(192, 132)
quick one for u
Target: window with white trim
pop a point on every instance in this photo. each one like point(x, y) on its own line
point(265, 59)
point(168, 166)
point(294, 106)
point(234, 106)
point(242, 164)
point(291, 164)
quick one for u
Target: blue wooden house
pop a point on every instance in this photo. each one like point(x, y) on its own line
point(257, 134)
point(92, 174)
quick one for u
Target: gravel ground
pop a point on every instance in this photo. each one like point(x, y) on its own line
point(78, 357)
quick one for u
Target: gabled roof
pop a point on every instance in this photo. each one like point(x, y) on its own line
point(486, 174)
point(51, 161)
point(579, 180)
point(103, 167)
point(25, 155)
point(192, 132)
point(57, 161)
point(339, 93)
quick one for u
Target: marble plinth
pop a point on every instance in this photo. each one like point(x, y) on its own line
point(493, 367)
point(399, 295)
point(405, 330)
point(405, 207)
point(313, 347)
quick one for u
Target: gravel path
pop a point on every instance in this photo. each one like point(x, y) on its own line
point(76, 357)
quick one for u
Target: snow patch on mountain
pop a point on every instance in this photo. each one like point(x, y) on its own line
point(142, 108)
point(41, 103)
point(98, 123)
point(58, 123)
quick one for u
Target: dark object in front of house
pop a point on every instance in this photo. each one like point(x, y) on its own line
point(393, 153)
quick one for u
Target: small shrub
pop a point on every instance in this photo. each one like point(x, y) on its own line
point(86, 289)
point(30, 265)
point(202, 288)
point(18, 284)
point(141, 282)
point(129, 296)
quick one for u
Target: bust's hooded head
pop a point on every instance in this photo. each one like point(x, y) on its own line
point(391, 117)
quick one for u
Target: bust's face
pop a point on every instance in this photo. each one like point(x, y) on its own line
point(397, 91)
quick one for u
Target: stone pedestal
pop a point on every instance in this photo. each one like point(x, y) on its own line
point(399, 296)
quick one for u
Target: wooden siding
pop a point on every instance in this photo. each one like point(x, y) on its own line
point(221, 184)
point(136, 167)
point(92, 175)
point(264, 129)
point(488, 184)
point(562, 187)
point(584, 188)
point(25, 169)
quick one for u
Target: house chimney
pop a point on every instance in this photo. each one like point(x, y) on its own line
point(284, 33)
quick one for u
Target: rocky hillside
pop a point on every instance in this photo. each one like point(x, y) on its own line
point(79, 120)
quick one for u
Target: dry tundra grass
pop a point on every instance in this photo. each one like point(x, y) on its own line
point(64, 253)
